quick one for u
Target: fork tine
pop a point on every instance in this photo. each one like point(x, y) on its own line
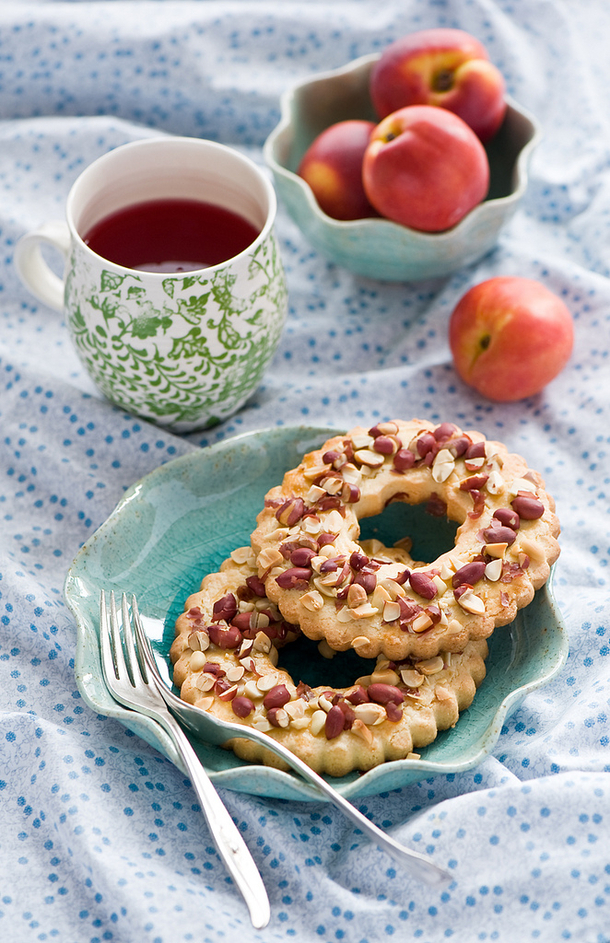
point(144, 645)
point(137, 669)
point(108, 658)
point(121, 667)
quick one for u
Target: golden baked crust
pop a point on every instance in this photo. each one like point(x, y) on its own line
point(225, 661)
point(306, 540)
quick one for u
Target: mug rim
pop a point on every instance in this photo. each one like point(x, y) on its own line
point(190, 141)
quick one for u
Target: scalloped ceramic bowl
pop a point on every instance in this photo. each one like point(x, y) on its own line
point(379, 248)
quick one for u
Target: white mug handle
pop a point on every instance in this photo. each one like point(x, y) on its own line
point(32, 268)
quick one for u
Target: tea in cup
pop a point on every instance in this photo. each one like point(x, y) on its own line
point(173, 291)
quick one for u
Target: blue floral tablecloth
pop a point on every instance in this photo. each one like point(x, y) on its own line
point(100, 836)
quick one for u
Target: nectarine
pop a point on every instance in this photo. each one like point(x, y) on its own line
point(332, 166)
point(509, 337)
point(447, 68)
point(425, 168)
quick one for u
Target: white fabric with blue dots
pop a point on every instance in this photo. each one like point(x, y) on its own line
point(100, 837)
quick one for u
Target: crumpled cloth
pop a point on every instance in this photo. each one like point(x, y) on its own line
point(100, 836)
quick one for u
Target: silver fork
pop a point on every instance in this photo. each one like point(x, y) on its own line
point(128, 681)
point(214, 730)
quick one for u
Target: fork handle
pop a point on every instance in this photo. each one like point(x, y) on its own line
point(227, 838)
point(419, 866)
point(412, 861)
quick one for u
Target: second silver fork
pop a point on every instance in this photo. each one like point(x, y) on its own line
point(214, 730)
point(128, 681)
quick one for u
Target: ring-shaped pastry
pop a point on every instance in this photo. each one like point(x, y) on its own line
point(313, 567)
point(225, 657)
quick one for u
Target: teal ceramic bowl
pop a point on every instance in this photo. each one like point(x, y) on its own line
point(378, 248)
point(183, 519)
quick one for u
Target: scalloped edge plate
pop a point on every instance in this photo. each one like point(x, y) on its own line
point(181, 521)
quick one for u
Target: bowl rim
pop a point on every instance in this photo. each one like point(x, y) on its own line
point(486, 207)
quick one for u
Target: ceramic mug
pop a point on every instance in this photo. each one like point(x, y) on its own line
point(184, 349)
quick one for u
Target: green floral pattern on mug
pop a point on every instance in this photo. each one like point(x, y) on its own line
point(189, 355)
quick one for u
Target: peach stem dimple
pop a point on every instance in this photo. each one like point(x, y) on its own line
point(443, 80)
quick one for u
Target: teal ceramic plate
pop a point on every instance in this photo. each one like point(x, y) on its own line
point(183, 519)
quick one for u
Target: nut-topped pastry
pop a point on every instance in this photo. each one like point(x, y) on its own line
point(313, 567)
point(225, 658)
